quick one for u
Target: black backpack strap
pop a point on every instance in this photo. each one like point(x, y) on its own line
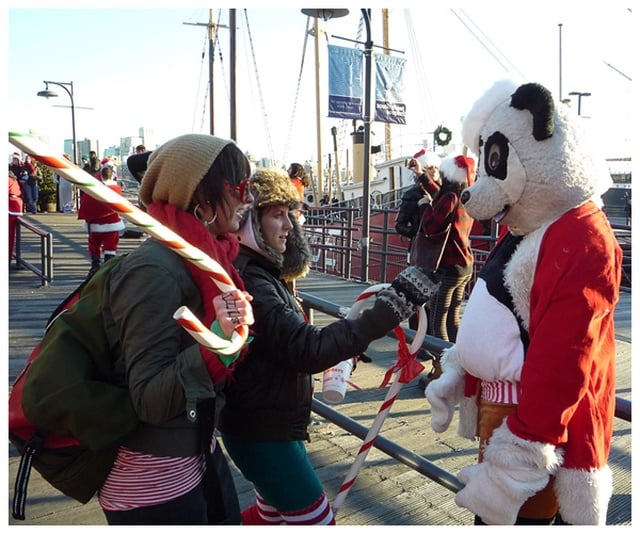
point(223, 507)
point(31, 448)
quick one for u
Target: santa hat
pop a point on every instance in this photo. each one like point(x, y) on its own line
point(429, 159)
point(458, 169)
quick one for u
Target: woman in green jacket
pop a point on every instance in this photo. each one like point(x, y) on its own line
point(197, 186)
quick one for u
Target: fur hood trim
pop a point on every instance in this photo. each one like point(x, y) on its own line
point(271, 187)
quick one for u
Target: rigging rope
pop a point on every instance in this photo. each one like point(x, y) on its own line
point(206, 99)
point(264, 113)
point(489, 41)
point(195, 108)
point(426, 98)
point(216, 41)
point(295, 99)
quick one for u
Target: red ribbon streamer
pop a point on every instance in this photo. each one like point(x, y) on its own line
point(406, 363)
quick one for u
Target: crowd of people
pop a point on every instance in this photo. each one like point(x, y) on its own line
point(28, 176)
point(258, 400)
point(250, 221)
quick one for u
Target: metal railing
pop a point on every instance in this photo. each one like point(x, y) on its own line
point(45, 271)
point(334, 233)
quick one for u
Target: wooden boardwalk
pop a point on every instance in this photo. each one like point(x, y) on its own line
point(386, 491)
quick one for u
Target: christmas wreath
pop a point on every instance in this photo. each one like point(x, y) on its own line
point(442, 135)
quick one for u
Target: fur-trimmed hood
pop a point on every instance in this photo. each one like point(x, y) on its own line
point(271, 187)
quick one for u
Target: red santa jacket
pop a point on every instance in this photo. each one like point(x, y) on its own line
point(15, 198)
point(555, 356)
point(98, 215)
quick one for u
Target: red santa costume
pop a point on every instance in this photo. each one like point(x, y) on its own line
point(15, 210)
point(534, 361)
point(103, 223)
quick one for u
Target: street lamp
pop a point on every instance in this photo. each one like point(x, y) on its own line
point(579, 95)
point(48, 94)
point(324, 14)
point(327, 14)
point(366, 119)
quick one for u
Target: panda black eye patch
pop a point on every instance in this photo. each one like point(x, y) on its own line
point(496, 154)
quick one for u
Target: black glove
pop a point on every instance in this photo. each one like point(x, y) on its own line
point(412, 288)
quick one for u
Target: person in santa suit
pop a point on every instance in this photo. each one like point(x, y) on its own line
point(103, 223)
point(533, 367)
point(15, 210)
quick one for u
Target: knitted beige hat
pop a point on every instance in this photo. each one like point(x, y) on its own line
point(177, 167)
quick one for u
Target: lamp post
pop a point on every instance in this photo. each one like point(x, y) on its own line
point(579, 95)
point(68, 87)
point(324, 14)
point(366, 119)
point(327, 14)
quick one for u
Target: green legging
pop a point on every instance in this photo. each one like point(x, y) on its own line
point(279, 470)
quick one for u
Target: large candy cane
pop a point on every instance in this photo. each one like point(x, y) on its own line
point(94, 187)
point(392, 394)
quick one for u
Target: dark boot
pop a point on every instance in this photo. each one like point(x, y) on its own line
point(95, 265)
point(107, 257)
point(435, 373)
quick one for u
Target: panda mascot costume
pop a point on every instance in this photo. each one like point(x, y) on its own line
point(533, 367)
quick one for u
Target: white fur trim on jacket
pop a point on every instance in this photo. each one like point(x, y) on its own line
point(588, 506)
point(513, 470)
point(107, 227)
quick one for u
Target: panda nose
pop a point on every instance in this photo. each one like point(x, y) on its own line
point(465, 196)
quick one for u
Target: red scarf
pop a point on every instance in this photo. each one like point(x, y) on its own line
point(222, 249)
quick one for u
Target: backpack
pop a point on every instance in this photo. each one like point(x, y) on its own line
point(66, 416)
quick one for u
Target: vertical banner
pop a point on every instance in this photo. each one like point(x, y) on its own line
point(345, 83)
point(390, 106)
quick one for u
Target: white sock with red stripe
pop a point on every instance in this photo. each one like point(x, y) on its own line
point(318, 513)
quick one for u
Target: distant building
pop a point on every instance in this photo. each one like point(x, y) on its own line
point(148, 138)
point(128, 146)
point(84, 147)
point(112, 152)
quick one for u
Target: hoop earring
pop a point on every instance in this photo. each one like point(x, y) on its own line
point(213, 219)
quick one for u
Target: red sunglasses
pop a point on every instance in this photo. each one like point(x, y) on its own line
point(242, 190)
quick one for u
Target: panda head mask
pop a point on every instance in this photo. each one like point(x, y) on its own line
point(533, 160)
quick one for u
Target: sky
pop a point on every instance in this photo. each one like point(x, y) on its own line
point(134, 66)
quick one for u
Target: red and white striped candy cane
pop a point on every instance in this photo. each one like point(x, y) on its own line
point(390, 398)
point(94, 187)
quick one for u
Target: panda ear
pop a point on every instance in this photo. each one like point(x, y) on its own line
point(538, 100)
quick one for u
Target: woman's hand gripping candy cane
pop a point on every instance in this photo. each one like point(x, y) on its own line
point(233, 309)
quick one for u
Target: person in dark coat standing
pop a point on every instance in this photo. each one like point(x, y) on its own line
point(412, 204)
point(414, 200)
point(268, 409)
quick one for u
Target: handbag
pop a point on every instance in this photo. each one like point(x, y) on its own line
point(427, 250)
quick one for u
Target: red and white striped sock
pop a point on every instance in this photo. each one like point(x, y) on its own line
point(318, 513)
point(261, 513)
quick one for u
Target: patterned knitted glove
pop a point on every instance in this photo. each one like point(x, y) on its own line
point(412, 288)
